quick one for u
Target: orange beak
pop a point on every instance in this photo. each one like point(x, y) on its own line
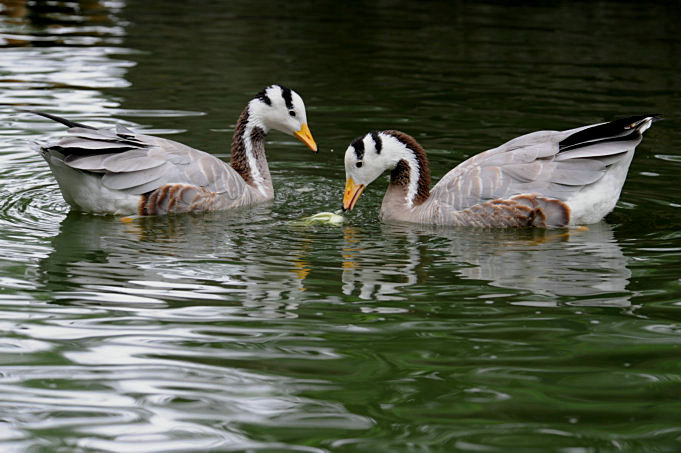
point(305, 136)
point(352, 193)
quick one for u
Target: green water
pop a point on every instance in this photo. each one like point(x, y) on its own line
point(249, 331)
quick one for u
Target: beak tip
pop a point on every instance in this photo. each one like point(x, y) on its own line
point(305, 136)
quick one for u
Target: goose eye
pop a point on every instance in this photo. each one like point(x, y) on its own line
point(292, 113)
point(359, 164)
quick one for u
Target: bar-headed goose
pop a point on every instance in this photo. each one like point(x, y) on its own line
point(122, 172)
point(543, 179)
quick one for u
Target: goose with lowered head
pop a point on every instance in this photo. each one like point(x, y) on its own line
point(542, 179)
point(122, 172)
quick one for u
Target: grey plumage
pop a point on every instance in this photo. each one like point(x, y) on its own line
point(122, 172)
point(140, 163)
point(545, 178)
point(534, 163)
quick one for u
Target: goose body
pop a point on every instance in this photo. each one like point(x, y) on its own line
point(122, 172)
point(542, 179)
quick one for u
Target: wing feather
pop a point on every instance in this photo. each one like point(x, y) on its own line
point(139, 164)
point(134, 181)
point(135, 160)
point(551, 163)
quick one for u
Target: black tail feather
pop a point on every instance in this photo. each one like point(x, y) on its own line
point(622, 129)
point(58, 119)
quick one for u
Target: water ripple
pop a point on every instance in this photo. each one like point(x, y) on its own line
point(247, 331)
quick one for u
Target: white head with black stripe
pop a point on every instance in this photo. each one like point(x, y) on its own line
point(370, 155)
point(280, 108)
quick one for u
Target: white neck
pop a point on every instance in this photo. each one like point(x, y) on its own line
point(412, 186)
point(254, 120)
point(397, 151)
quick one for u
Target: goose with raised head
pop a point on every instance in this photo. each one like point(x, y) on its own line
point(542, 179)
point(122, 172)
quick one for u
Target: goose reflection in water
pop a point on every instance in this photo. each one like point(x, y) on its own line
point(583, 267)
point(246, 259)
point(218, 257)
point(374, 278)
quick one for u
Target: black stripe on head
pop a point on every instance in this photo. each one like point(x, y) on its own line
point(358, 144)
point(378, 143)
point(288, 98)
point(264, 97)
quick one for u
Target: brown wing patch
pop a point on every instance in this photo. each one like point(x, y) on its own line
point(550, 212)
point(525, 210)
point(501, 213)
point(175, 198)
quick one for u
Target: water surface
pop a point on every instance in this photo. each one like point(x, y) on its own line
point(248, 331)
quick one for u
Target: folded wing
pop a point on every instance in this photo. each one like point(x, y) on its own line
point(551, 163)
point(140, 164)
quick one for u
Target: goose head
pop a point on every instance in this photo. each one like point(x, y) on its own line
point(282, 109)
point(370, 155)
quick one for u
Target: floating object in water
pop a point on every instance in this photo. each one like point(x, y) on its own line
point(331, 218)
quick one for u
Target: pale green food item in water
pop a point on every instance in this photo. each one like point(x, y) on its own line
point(332, 218)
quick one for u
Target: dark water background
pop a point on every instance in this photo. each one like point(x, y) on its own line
point(248, 331)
